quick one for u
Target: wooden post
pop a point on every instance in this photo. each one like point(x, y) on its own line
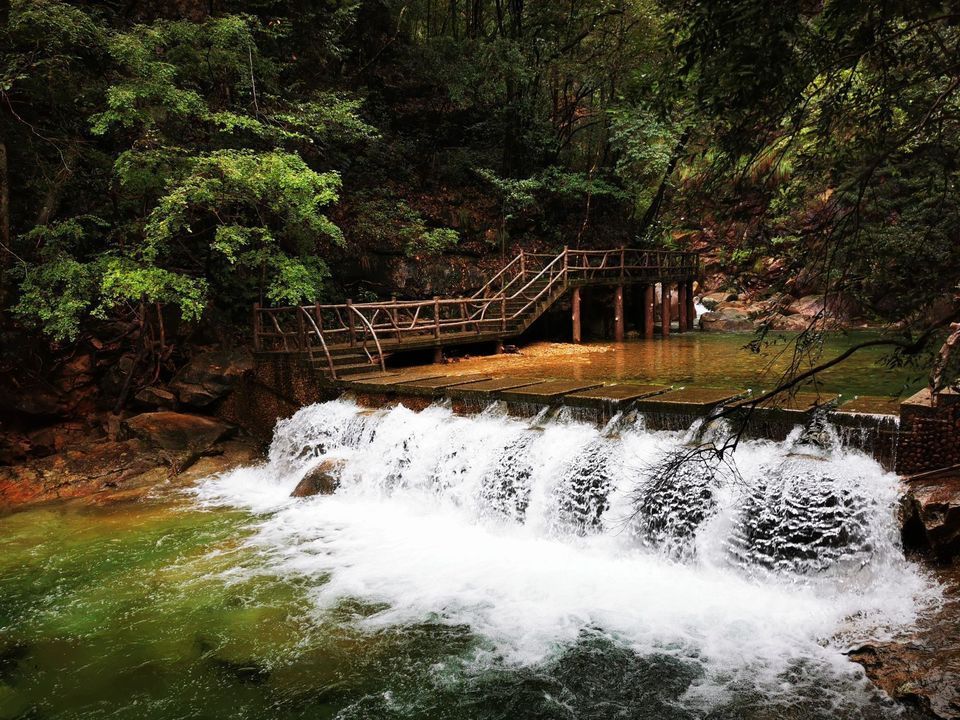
point(256, 327)
point(664, 309)
point(503, 312)
point(350, 323)
point(436, 317)
point(575, 314)
point(648, 303)
point(523, 266)
point(618, 319)
point(301, 331)
point(681, 307)
point(691, 307)
point(395, 317)
point(437, 355)
point(622, 263)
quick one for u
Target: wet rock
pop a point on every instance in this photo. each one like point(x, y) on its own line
point(931, 515)
point(109, 471)
point(788, 323)
point(808, 306)
point(728, 319)
point(324, 479)
point(711, 300)
point(75, 471)
point(177, 431)
point(157, 397)
point(922, 666)
point(210, 376)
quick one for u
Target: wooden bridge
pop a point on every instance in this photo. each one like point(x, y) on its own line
point(353, 338)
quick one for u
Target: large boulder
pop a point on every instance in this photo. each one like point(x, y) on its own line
point(788, 323)
point(727, 319)
point(177, 431)
point(210, 376)
point(320, 480)
point(808, 306)
point(711, 300)
point(931, 514)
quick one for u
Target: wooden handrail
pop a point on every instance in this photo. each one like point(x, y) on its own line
point(376, 340)
point(323, 344)
point(532, 277)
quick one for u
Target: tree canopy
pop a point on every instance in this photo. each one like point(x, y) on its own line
point(205, 155)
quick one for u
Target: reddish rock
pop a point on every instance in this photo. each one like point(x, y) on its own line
point(726, 320)
point(931, 514)
point(922, 667)
point(210, 376)
point(177, 431)
point(320, 480)
point(156, 396)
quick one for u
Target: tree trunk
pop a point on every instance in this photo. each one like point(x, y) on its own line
point(6, 250)
point(653, 210)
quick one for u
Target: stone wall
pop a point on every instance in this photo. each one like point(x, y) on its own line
point(929, 433)
point(276, 387)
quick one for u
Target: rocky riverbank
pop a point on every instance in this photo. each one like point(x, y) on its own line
point(780, 312)
point(922, 668)
point(151, 450)
point(169, 434)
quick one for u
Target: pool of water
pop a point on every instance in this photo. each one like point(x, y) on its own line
point(469, 567)
point(705, 359)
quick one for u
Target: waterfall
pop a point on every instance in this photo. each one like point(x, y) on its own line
point(532, 532)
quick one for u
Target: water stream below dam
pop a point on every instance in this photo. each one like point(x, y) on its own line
point(481, 566)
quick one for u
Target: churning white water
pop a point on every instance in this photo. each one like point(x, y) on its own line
point(533, 532)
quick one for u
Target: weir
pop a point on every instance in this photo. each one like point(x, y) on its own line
point(540, 535)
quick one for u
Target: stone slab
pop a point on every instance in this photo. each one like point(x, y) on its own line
point(367, 376)
point(386, 383)
point(688, 400)
point(548, 390)
point(491, 387)
point(870, 405)
point(444, 382)
point(612, 394)
point(801, 402)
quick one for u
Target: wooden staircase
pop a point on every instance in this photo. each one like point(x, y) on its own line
point(353, 338)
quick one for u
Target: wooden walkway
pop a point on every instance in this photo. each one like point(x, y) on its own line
point(353, 338)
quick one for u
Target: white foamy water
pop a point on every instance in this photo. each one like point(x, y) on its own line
point(531, 532)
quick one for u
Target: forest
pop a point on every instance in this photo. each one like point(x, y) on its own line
point(167, 163)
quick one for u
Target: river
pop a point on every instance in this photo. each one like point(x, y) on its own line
point(468, 567)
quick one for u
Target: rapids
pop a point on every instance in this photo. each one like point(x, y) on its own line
point(581, 576)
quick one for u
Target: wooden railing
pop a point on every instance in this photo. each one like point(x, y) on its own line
point(503, 306)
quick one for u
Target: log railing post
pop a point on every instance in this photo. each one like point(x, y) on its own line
point(648, 307)
point(351, 327)
point(394, 316)
point(664, 309)
point(622, 263)
point(436, 316)
point(301, 331)
point(618, 320)
point(523, 266)
point(566, 265)
point(575, 314)
point(681, 306)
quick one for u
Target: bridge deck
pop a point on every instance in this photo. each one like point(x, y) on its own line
point(349, 337)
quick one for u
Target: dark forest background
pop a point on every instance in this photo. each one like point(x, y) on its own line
point(164, 164)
